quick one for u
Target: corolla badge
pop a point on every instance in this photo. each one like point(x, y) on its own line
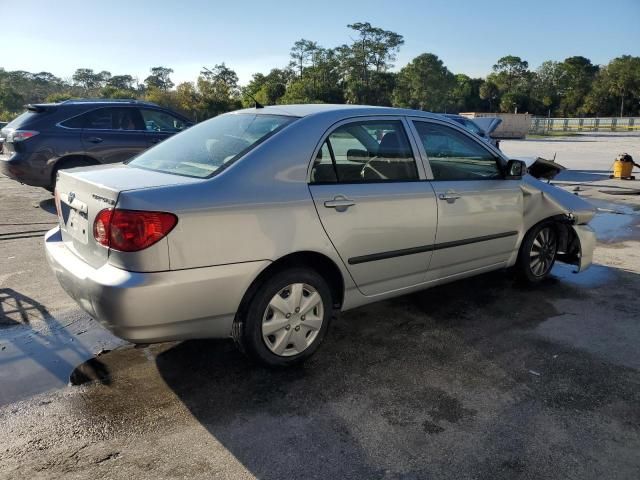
point(71, 196)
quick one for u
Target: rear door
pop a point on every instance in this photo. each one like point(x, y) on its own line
point(374, 204)
point(160, 125)
point(479, 212)
point(113, 134)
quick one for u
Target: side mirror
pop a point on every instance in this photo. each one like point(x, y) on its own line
point(515, 170)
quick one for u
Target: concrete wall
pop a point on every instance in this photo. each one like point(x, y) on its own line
point(514, 125)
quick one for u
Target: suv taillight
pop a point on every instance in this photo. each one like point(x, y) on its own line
point(15, 136)
point(131, 230)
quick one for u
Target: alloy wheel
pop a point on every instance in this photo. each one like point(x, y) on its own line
point(543, 252)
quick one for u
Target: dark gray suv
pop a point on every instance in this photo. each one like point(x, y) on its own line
point(49, 137)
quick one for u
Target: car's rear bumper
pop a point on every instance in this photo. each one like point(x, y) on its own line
point(157, 306)
point(21, 168)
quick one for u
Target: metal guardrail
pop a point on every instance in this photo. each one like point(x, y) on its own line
point(606, 124)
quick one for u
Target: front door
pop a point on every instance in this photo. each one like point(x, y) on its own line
point(374, 204)
point(160, 125)
point(479, 212)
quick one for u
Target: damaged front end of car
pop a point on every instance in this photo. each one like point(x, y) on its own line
point(571, 214)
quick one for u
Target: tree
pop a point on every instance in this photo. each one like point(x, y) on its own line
point(160, 78)
point(424, 84)
point(623, 78)
point(489, 91)
point(10, 99)
point(512, 77)
point(219, 91)
point(188, 99)
point(548, 85)
point(302, 52)
point(363, 62)
point(576, 78)
point(87, 79)
point(121, 82)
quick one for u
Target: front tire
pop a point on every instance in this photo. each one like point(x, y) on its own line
point(287, 318)
point(538, 252)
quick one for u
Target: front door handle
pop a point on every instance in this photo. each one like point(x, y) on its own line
point(340, 203)
point(95, 139)
point(450, 196)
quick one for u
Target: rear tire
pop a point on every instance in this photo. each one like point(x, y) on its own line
point(287, 318)
point(537, 253)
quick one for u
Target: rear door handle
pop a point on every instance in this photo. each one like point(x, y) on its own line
point(94, 139)
point(340, 203)
point(450, 196)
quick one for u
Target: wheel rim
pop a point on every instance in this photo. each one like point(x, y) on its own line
point(543, 252)
point(292, 320)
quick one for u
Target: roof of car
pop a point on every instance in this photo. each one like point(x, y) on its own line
point(304, 110)
point(119, 101)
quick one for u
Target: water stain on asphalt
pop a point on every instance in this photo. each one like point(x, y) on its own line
point(615, 222)
point(594, 276)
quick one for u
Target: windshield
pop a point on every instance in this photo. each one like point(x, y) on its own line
point(472, 127)
point(208, 147)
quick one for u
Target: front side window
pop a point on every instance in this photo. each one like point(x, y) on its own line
point(203, 150)
point(367, 151)
point(157, 121)
point(110, 118)
point(454, 156)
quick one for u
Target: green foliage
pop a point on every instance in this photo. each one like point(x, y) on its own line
point(159, 78)
point(424, 84)
point(357, 72)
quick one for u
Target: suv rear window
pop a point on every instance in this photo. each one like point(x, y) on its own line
point(23, 119)
point(205, 149)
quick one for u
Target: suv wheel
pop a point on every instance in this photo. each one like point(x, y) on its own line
point(287, 318)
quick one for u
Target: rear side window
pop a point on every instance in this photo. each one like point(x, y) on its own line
point(364, 152)
point(109, 118)
point(205, 149)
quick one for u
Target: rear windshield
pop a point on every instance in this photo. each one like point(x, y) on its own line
point(205, 149)
point(22, 119)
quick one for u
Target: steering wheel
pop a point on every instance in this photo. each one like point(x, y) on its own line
point(370, 168)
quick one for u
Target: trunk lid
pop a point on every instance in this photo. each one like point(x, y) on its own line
point(83, 192)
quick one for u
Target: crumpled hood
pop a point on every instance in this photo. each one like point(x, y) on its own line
point(540, 194)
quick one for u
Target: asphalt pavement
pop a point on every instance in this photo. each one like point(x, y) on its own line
point(483, 378)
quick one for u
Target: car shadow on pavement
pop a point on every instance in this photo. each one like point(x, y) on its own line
point(48, 205)
point(406, 386)
point(33, 340)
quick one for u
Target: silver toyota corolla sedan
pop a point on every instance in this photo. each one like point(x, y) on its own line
point(262, 223)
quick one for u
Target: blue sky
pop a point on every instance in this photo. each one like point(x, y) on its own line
point(249, 36)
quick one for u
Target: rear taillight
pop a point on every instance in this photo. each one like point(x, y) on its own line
point(131, 230)
point(15, 136)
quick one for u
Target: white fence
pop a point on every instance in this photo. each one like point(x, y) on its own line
point(608, 124)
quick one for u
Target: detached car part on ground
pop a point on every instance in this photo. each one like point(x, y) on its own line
point(262, 223)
